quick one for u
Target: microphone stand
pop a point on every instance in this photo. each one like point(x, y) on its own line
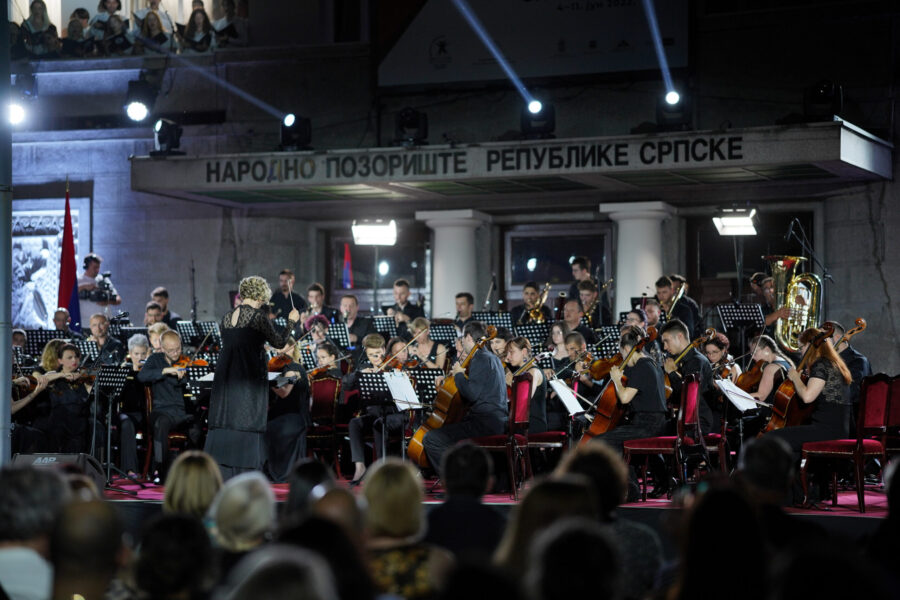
point(807, 247)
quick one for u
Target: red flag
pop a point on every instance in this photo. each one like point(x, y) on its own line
point(348, 269)
point(67, 296)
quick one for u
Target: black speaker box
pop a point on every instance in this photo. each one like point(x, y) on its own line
point(89, 465)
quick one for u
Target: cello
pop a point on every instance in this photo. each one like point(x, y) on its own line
point(448, 406)
point(607, 410)
point(787, 408)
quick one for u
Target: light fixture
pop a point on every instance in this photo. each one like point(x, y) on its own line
point(139, 99)
point(410, 128)
point(383, 268)
point(168, 138)
point(22, 92)
point(531, 264)
point(673, 97)
point(16, 113)
point(374, 232)
point(296, 133)
point(538, 124)
point(736, 221)
point(673, 112)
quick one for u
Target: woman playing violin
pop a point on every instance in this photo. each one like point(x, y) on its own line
point(288, 415)
point(327, 360)
point(430, 354)
point(518, 353)
point(828, 381)
point(70, 404)
point(775, 368)
point(716, 350)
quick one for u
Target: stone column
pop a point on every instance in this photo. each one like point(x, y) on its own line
point(638, 248)
point(455, 262)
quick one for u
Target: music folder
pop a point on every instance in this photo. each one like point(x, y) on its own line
point(402, 391)
point(738, 397)
point(566, 396)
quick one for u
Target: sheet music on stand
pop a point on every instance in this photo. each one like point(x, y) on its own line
point(280, 323)
point(622, 317)
point(426, 386)
point(195, 376)
point(445, 334)
point(608, 341)
point(495, 318)
point(36, 339)
point(738, 397)
point(338, 332)
point(536, 333)
point(402, 391)
point(87, 349)
point(125, 333)
point(566, 396)
point(385, 325)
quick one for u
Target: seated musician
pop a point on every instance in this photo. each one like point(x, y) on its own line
point(650, 315)
point(169, 387)
point(70, 405)
point(518, 352)
point(573, 313)
point(288, 416)
point(357, 327)
point(775, 369)
point(403, 310)
point(112, 351)
point(716, 352)
point(465, 305)
point(160, 295)
point(827, 386)
point(665, 295)
point(483, 393)
point(19, 337)
point(63, 322)
point(380, 411)
point(152, 314)
point(642, 393)
point(857, 364)
point(31, 413)
point(498, 347)
point(577, 348)
point(132, 411)
point(315, 299)
point(771, 312)
point(154, 333)
point(317, 326)
point(521, 314)
point(581, 271)
point(678, 282)
point(561, 367)
point(430, 354)
point(596, 308)
point(676, 339)
point(327, 360)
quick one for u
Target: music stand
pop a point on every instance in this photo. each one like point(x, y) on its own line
point(385, 325)
point(194, 332)
point(445, 334)
point(741, 316)
point(426, 384)
point(87, 349)
point(110, 381)
point(211, 357)
point(622, 317)
point(36, 339)
point(373, 391)
point(608, 342)
point(126, 332)
point(338, 333)
point(307, 359)
point(497, 319)
point(536, 333)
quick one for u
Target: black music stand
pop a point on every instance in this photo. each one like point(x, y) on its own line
point(338, 333)
point(497, 319)
point(426, 384)
point(545, 362)
point(536, 333)
point(608, 344)
point(87, 349)
point(110, 381)
point(444, 333)
point(374, 391)
point(194, 332)
point(742, 317)
point(36, 339)
point(307, 359)
point(385, 325)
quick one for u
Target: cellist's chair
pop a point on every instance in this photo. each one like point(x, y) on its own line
point(688, 441)
point(515, 441)
point(872, 421)
point(324, 430)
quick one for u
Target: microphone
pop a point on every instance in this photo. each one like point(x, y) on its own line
point(790, 231)
point(119, 317)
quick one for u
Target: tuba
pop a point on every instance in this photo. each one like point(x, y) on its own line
point(802, 294)
point(537, 316)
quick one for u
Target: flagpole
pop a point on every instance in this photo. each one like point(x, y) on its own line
point(5, 253)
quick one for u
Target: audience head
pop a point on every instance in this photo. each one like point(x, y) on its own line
point(766, 464)
point(192, 483)
point(604, 469)
point(30, 500)
point(243, 512)
point(278, 572)
point(305, 475)
point(175, 558)
point(467, 470)
point(87, 542)
point(393, 491)
point(341, 506)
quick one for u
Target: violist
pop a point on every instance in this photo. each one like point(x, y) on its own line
point(518, 353)
point(775, 369)
point(676, 339)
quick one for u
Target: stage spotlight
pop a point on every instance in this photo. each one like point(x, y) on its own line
point(168, 138)
point(736, 221)
point(139, 99)
point(410, 128)
point(16, 113)
point(296, 133)
point(673, 97)
point(540, 124)
point(22, 92)
point(673, 116)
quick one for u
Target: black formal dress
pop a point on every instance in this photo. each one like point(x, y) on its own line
point(69, 421)
point(240, 392)
point(288, 419)
point(537, 410)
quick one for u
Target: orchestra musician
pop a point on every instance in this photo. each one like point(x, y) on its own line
point(581, 271)
point(19, 338)
point(531, 294)
point(518, 352)
point(70, 405)
point(132, 404)
point(465, 306)
point(31, 414)
point(285, 299)
point(827, 386)
point(573, 313)
point(557, 414)
point(160, 295)
point(154, 332)
point(679, 281)
point(315, 298)
point(327, 356)
point(112, 351)
point(483, 392)
point(676, 338)
point(498, 347)
point(62, 321)
point(288, 415)
point(716, 351)
point(317, 326)
point(771, 312)
point(152, 314)
point(430, 354)
point(857, 363)
point(775, 369)
point(403, 310)
point(665, 294)
point(376, 416)
point(653, 312)
point(641, 391)
point(357, 327)
point(596, 308)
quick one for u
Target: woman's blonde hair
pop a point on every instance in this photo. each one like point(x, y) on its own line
point(192, 483)
point(255, 288)
point(393, 491)
point(157, 329)
point(243, 512)
point(50, 355)
point(420, 323)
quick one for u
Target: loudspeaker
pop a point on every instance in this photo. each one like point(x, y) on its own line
point(88, 465)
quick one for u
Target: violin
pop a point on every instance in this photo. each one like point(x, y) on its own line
point(184, 362)
point(749, 379)
point(278, 363)
point(707, 337)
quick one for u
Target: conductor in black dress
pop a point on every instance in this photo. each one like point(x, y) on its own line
point(240, 392)
point(483, 393)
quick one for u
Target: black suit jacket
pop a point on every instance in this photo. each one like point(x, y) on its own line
point(484, 390)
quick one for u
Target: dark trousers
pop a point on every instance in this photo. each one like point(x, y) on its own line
point(359, 426)
point(162, 422)
point(128, 461)
point(285, 444)
point(68, 432)
point(438, 441)
point(642, 425)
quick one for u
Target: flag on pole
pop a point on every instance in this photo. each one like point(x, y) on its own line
point(68, 277)
point(348, 269)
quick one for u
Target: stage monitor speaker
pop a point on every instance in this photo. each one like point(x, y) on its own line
point(88, 465)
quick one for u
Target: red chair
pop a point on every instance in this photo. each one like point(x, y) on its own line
point(323, 431)
point(892, 443)
point(874, 393)
point(688, 441)
point(515, 441)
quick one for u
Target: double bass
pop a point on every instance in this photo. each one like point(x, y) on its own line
point(448, 405)
point(607, 410)
point(788, 409)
